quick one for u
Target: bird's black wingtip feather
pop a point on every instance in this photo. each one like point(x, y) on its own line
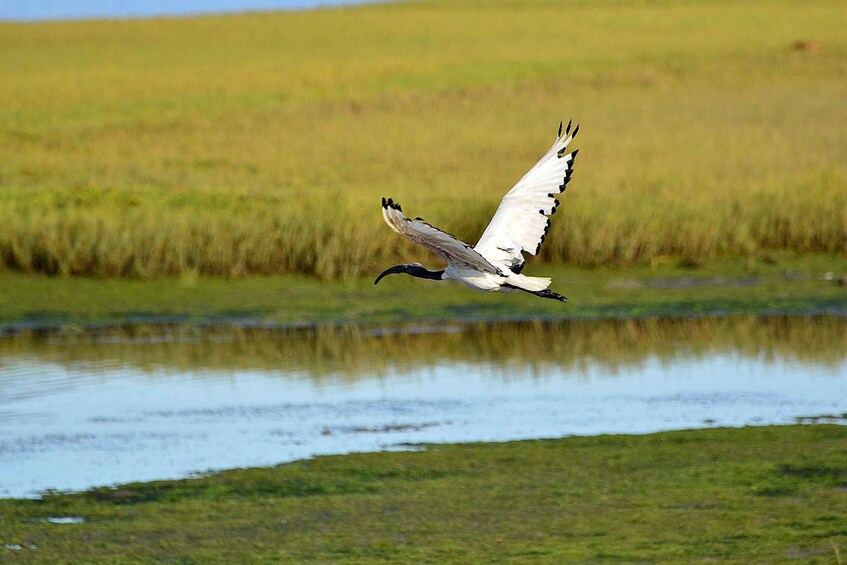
point(389, 203)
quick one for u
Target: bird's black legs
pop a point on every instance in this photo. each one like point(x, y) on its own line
point(546, 293)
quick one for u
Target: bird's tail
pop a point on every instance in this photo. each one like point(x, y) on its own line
point(532, 284)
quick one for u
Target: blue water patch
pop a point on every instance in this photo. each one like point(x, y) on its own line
point(36, 10)
point(77, 411)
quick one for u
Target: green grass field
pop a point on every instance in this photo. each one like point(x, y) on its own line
point(778, 283)
point(263, 143)
point(750, 495)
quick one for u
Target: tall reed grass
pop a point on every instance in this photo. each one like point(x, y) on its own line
point(262, 143)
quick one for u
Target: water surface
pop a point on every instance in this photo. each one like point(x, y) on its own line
point(33, 10)
point(81, 410)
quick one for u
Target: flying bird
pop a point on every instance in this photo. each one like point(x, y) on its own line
point(519, 226)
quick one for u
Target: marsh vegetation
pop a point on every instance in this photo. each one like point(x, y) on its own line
point(773, 495)
point(262, 143)
point(158, 165)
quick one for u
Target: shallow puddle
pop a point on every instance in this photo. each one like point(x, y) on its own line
point(79, 410)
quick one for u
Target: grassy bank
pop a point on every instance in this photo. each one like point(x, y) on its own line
point(774, 495)
point(263, 143)
point(777, 283)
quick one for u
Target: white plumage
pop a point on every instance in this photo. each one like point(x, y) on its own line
point(519, 226)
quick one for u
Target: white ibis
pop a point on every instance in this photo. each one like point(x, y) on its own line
point(519, 225)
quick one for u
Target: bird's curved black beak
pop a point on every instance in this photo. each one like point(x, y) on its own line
point(392, 271)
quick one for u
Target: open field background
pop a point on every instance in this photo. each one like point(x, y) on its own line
point(263, 143)
point(750, 495)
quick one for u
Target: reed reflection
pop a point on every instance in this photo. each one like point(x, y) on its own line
point(364, 352)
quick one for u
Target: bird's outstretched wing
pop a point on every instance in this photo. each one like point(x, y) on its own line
point(441, 243)
point(522, 219)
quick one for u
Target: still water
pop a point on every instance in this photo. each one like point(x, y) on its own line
point(79, 410)
point(33, 10)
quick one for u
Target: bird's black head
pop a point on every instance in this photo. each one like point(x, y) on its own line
point(413, 269)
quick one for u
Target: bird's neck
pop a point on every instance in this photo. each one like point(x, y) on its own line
point(422, 273)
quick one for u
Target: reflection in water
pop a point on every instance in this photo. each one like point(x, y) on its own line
point(353, 353)
point(82, 409)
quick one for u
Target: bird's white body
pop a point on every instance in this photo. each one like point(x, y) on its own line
point(519, 226)
point(477, 280)
point(491, 282)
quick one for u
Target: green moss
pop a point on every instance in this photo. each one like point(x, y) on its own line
point(771, 494)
